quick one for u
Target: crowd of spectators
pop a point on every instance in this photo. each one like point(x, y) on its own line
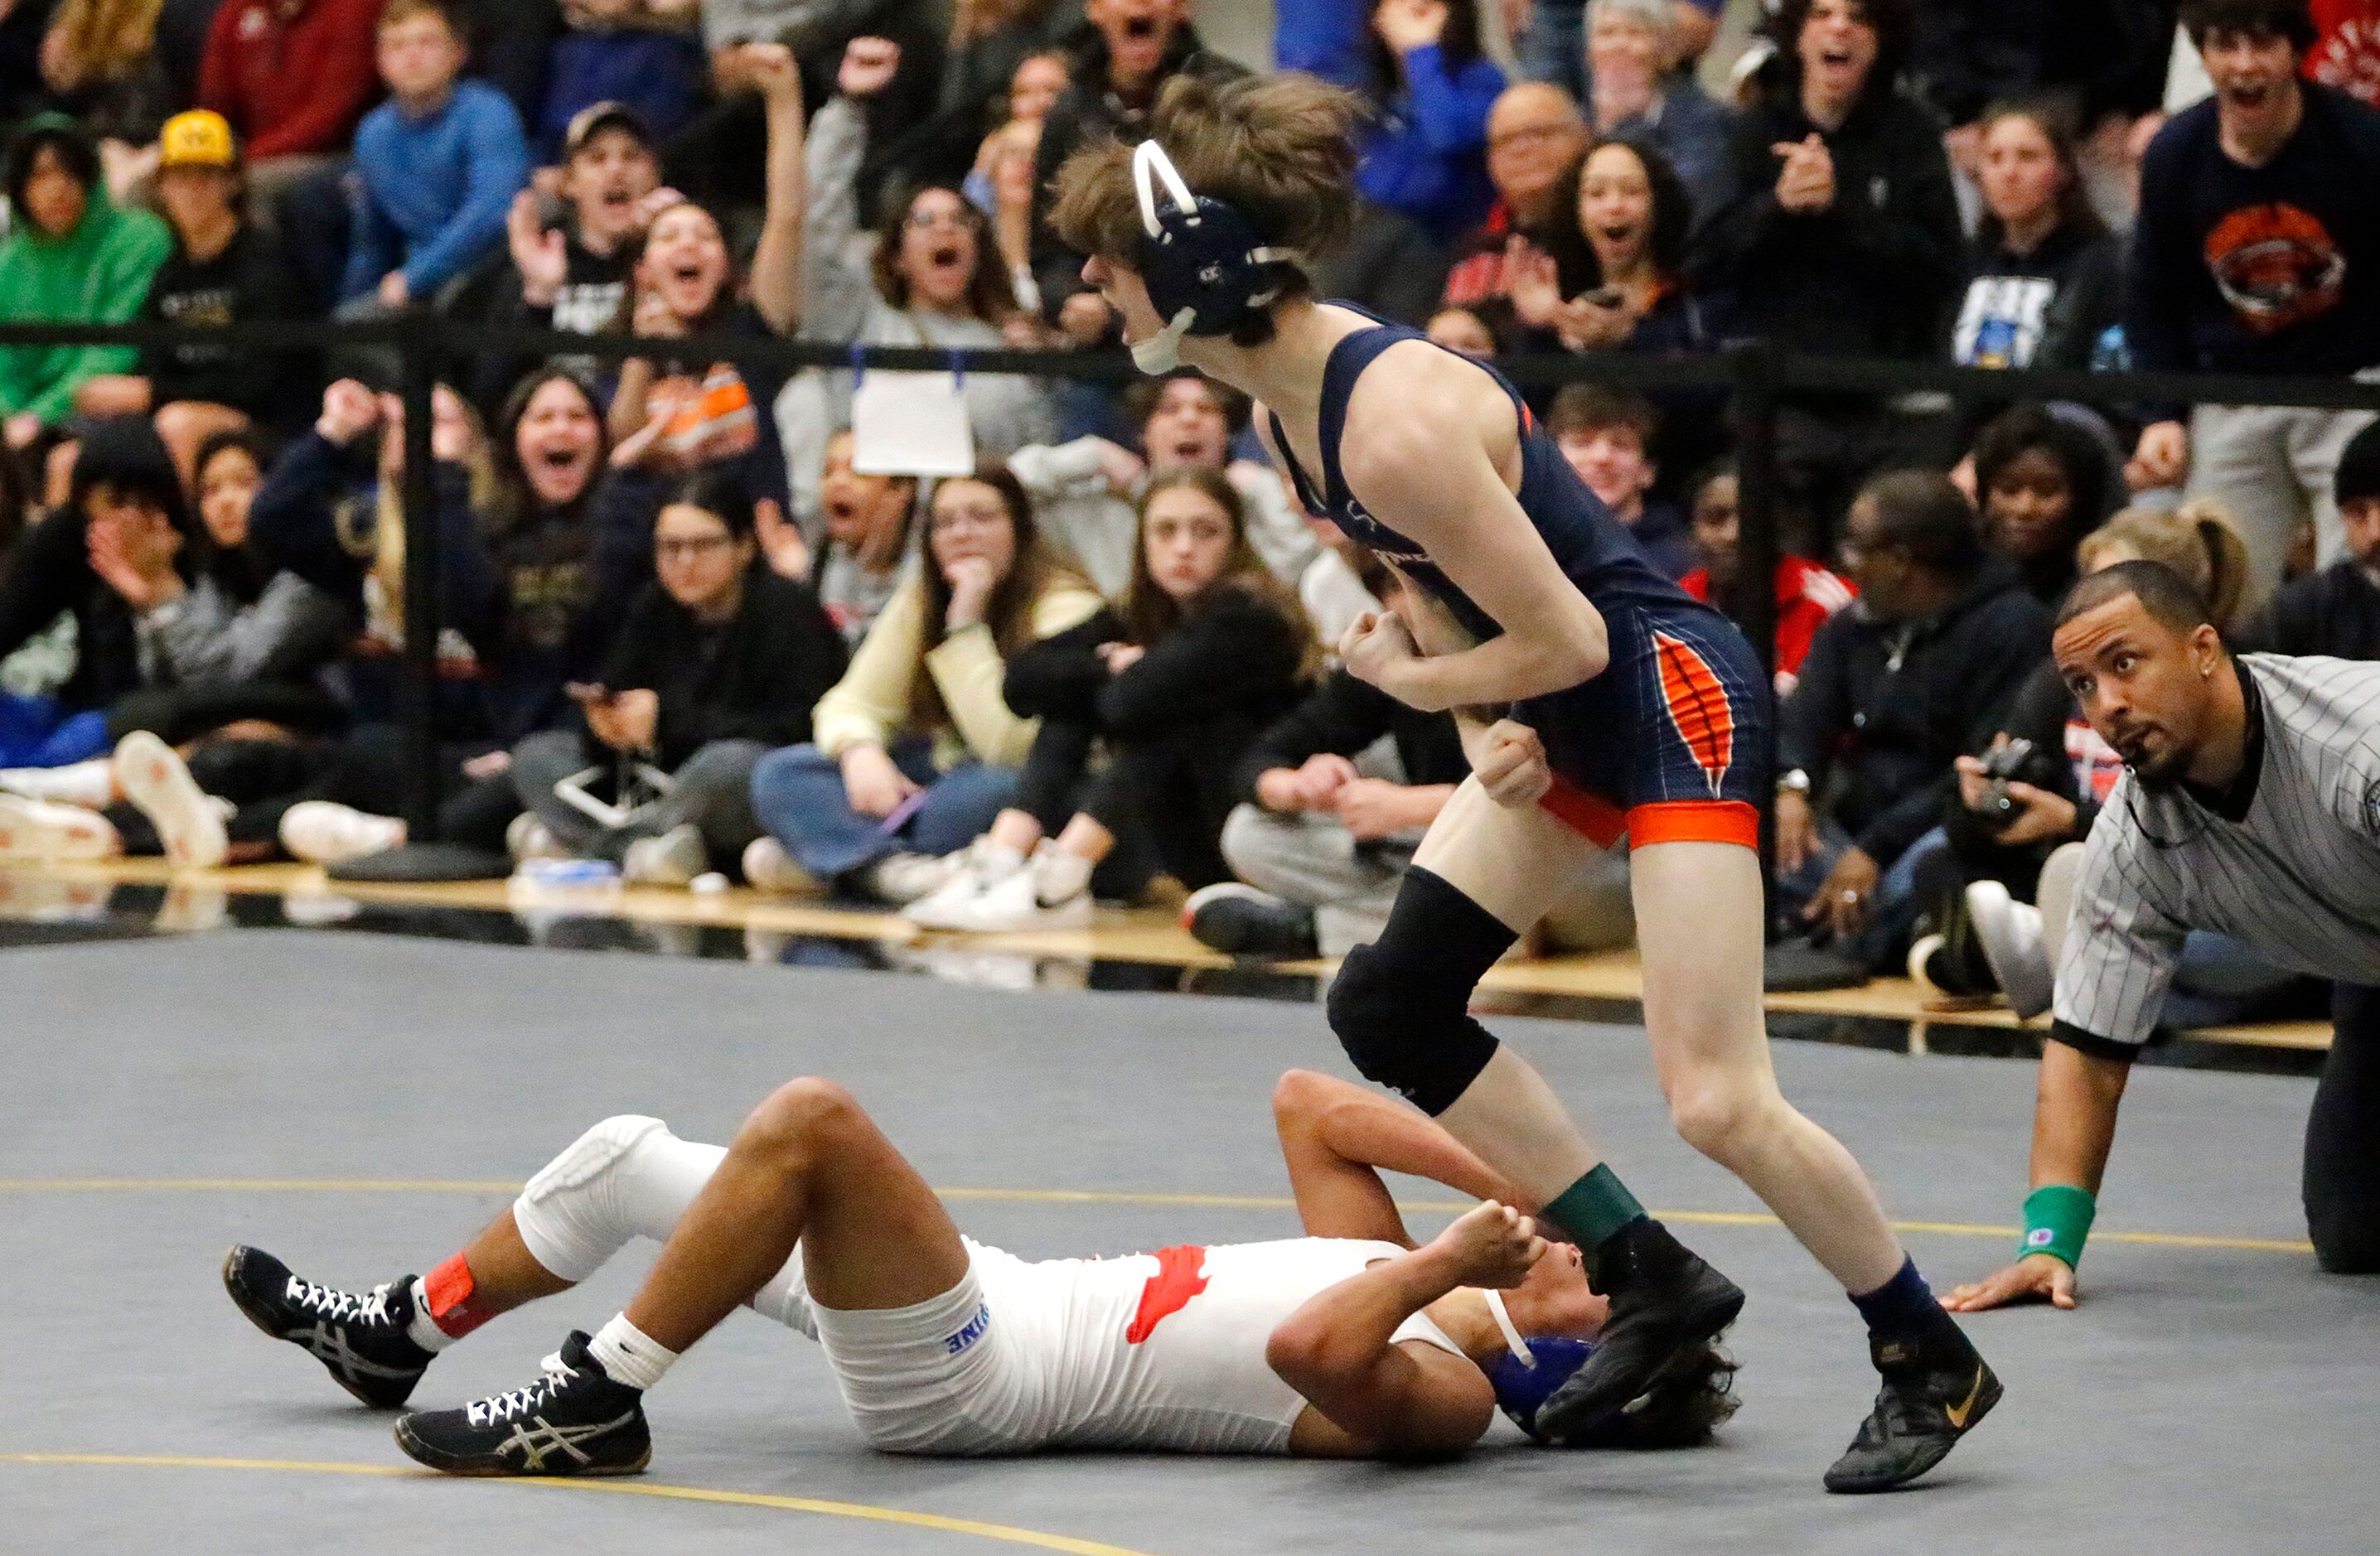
point(699, 622)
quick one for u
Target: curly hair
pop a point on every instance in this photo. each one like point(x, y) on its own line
point(1673, 216)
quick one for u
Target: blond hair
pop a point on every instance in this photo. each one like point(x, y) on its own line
point(2199, 541)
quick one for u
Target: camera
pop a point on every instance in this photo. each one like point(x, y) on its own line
point(2002, 765)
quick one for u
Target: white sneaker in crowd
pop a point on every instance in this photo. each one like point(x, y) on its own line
point(973, 869)
point(158, 783)
point(528, 838)
point(768, 867)
point(673, 859)
point(2010, 933)
point(902, 879)
point(320, 832)
point(1052, 892)
point(90, 785)
point(35, 831)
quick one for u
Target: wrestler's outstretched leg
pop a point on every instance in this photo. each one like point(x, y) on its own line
point(1698, 936)
point(809, 1168)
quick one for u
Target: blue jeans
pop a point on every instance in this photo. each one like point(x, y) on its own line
point(798, 797)
point(35, 731)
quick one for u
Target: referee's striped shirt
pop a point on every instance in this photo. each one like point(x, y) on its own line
point(2296, 877)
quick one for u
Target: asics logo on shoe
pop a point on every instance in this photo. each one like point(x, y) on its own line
point(330, 1345)
point(538, 1445)
point(1958, 1414)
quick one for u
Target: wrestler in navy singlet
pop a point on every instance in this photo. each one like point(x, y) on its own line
point(1676, 720)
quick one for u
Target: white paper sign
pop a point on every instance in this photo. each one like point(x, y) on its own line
point(911, 424)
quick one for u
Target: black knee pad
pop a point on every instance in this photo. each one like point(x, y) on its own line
point(1400, 1005)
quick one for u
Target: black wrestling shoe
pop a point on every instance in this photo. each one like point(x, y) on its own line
point(573, 1420)
point(1241, 921)
point(1659, 1312)
point(1925, 1406)
point(360, 1336)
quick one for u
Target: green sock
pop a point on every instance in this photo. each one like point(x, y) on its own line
point(1590, 1211)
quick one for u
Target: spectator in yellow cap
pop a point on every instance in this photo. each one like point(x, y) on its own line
point(224, 269)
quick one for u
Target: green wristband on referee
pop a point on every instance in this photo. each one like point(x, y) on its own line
point(2056, 1219)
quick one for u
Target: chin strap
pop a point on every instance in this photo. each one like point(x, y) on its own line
point(1512, 1340)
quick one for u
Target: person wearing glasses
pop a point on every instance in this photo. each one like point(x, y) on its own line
point(720, 661)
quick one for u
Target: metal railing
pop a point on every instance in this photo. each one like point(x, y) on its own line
point(1759, 378)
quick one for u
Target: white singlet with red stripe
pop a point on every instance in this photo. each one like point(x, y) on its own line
point(1161, 1351)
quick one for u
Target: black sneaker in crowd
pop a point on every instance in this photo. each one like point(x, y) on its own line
point(1241, 921)
point(360, 1336)
point(573, 1420)
point(1657, 1314)
point(1927, 1404)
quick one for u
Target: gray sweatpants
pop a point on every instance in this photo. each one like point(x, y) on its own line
point(1316, 862)
point(2272, 468)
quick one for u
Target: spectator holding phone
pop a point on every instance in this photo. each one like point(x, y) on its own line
point(720, 661)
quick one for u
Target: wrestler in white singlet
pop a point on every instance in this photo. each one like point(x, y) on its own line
point(1156, 1352)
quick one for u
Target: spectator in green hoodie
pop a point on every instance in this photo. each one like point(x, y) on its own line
point(72, 256)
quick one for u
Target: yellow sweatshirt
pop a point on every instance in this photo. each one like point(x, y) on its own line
point(870, 704)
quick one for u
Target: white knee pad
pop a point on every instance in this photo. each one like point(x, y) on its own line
point(629, 1177)
point(572, 1215)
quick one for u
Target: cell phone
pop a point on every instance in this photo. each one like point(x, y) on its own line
point(589, 694)
point(1605, 297)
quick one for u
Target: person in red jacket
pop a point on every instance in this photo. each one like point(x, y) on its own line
point(294, 76)
point(1806, 593)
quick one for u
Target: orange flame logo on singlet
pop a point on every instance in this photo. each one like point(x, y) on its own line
point(1698, 707)
point(1180, 1276)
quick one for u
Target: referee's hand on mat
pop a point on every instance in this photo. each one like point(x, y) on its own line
point(2033, 1278)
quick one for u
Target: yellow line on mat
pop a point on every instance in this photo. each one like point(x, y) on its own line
point(1088, 1197)
point(622, 1488)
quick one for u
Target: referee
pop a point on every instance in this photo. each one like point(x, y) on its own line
point(2251, 804)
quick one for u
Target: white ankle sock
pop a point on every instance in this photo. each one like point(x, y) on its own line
point(629, 1356)
point(997, 862)
point(424, 1331)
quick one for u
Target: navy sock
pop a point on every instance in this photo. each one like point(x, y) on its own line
point(1902, 1306)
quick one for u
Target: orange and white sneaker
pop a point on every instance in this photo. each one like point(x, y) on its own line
point(37, 830)
point(158, 783)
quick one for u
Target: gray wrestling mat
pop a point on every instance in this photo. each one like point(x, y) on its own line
point(350, 1102)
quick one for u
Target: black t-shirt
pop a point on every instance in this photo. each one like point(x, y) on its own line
point(248, 281)
point(593, 291)
point(2273, 269)
point(2042, 309)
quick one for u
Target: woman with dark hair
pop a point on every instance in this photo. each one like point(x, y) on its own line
point(72, 256)
point(541, 578)
point(916, 750)
point(2042, 484)
point(2041, 270)
point(1626, 285)
point(933, 277)
point(721, 661)
point(1209, 649)
point(1424, 150)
